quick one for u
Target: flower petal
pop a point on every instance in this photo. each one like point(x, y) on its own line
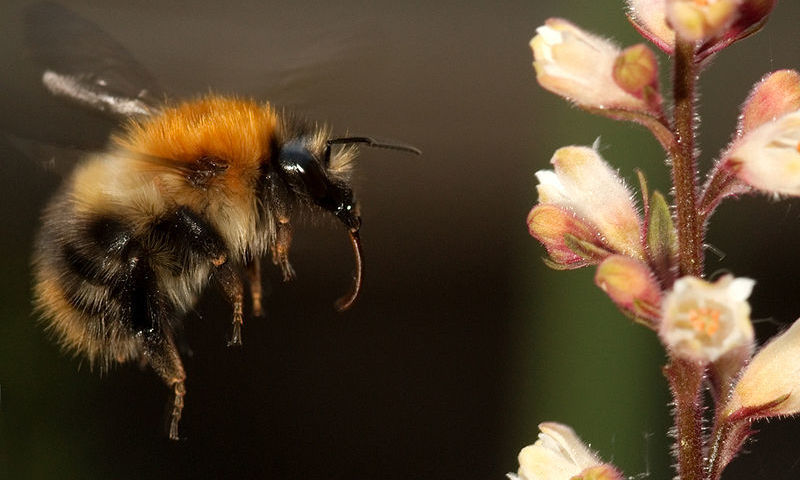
point(650, 18)
point(558, 454)
point(770, 385)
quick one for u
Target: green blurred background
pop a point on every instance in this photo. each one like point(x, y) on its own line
point(462, 340)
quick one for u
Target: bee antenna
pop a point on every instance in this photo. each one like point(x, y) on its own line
point(370, 142)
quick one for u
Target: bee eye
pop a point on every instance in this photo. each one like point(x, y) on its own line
point(303, 171)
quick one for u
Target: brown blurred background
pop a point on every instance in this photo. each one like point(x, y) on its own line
point(462, 341)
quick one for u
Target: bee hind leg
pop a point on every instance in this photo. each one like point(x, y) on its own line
point(162, 356)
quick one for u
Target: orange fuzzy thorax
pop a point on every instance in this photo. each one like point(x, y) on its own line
point(238, 132)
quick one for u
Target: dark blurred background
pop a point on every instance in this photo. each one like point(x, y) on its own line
point(462, 341)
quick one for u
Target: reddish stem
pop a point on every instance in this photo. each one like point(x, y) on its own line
point(684, 170)
point(686, 381)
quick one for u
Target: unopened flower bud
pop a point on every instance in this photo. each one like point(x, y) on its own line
point(631, 285)
point(703, 321)
point(636, 72)
point(701, 20)
point(579, 66)
point(559, 454)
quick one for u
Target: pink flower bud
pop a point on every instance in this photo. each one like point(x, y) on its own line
point(703, 321)
point(770, 384)
point(777, 94)
point(631, 285)
point(559, 454)
point(579, 66)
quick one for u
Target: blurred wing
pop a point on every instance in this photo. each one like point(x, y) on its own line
point(87, 65)
point(58, 159)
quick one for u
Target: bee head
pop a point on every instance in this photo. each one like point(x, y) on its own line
point(307, 176)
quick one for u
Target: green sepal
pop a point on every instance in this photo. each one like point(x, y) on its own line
point(588, 251)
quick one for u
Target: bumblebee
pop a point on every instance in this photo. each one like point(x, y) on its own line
point(185, 195)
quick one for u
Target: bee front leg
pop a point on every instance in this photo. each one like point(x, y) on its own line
point(280, 251)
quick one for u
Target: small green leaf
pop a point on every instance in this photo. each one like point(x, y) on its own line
point(662, 239)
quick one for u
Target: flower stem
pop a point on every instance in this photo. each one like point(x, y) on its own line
point(686, 381)
point(684, 169)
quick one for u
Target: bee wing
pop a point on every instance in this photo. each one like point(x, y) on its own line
point(57, 159)
point(85, 64)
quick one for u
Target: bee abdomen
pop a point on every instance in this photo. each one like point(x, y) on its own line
point(94, 286)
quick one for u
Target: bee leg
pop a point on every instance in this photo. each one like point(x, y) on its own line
point(231, 284)
point(280, 251)
point(163, 357)
point(151, 316)
point(254, 279)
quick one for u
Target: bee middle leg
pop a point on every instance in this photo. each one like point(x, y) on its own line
point(253, 269)
point(193, 234)
point(231, 284)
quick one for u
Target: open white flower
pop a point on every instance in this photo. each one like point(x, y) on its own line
point(579, 66)
point(768, 157)
point(559, 454)
point(703, 321)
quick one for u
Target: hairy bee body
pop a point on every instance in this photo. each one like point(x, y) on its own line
point(186, 195)
point(194, 192)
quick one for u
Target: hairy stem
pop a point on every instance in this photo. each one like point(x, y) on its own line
point(684, 169)
point(686, 381)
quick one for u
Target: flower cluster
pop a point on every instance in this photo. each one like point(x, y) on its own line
point(649, 256)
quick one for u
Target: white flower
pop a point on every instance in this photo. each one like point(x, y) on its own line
point(772, 379)
point(768, 157)
point(559, 454)
point(579, 66)
point(703, 321)
point(583, 184)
